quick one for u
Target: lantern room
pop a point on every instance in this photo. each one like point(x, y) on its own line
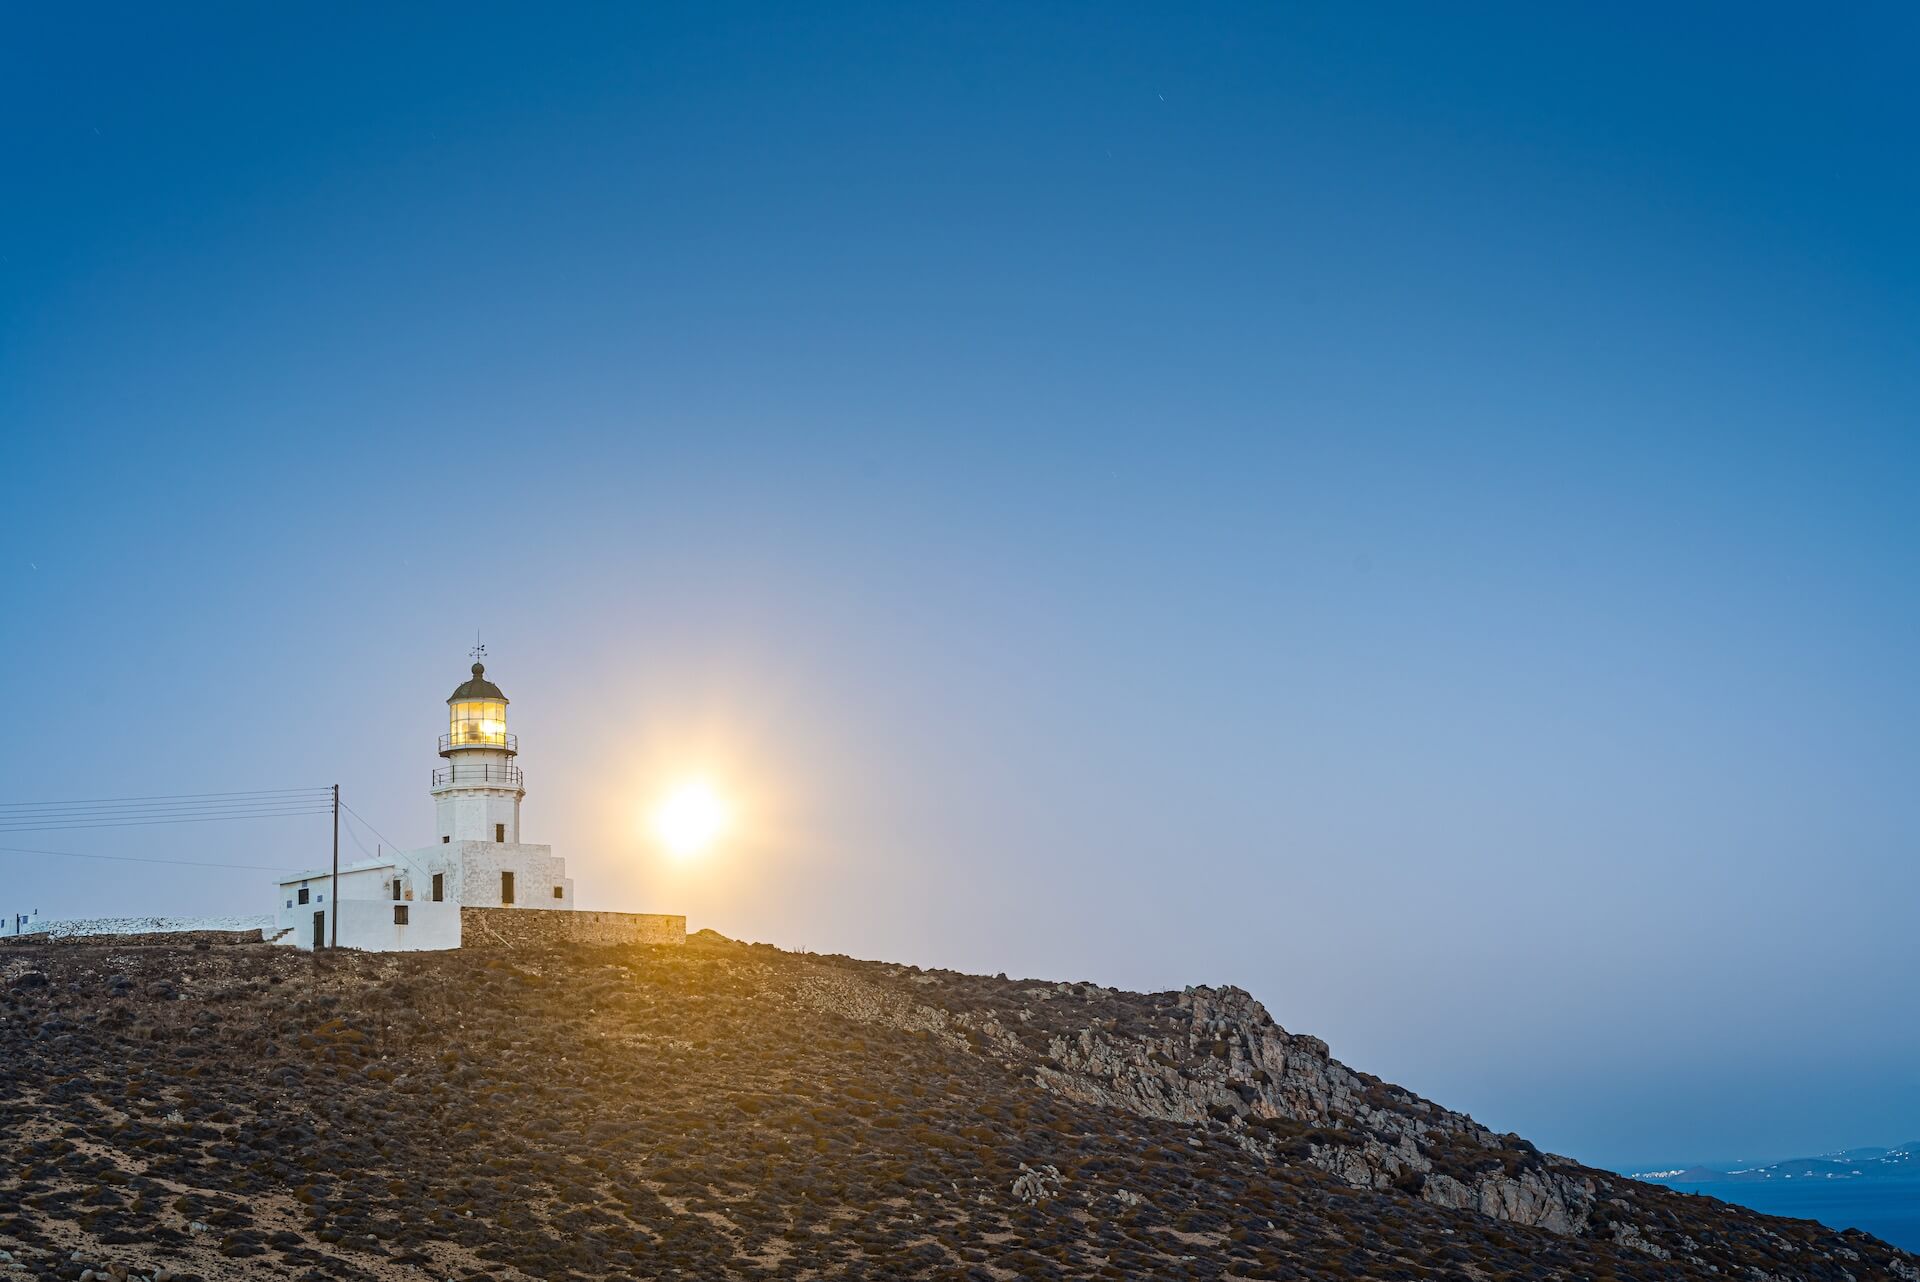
point(477, 717)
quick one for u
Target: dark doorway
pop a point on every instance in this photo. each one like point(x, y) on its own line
point(439, 886)
point(320, 930)
point(506, 887)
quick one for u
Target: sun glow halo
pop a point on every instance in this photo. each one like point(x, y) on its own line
point(690, 818)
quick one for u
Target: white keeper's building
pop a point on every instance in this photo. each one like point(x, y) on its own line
point(413, 900)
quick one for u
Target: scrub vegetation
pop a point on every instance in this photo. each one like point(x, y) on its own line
point(221, 1110)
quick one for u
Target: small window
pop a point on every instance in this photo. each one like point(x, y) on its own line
point(499, 832)
point(396, 888)
point(559, 892)
point(399, 914)
point(289, 904)
point(445, 840)
point(439, 886)
point(303, 894)
point(506, 887)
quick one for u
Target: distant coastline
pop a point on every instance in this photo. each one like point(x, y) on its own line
point(1876, 1190)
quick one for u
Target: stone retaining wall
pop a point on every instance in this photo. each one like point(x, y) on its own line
point(514, 927)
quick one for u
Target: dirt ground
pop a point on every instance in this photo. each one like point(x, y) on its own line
point(223, 1111)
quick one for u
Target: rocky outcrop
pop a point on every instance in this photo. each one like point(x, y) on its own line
point(1233, 1065)
point(1037, 1184)
point(1214, 1060)
point(1220, 1060)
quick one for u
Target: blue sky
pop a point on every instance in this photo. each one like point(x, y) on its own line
point(1410, 512)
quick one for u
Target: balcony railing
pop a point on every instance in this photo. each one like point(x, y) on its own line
point(487, 776)
point(499, 743)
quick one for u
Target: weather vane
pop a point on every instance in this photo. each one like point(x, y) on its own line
point(479, 651)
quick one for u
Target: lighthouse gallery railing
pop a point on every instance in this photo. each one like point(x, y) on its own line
point(474, 739)
point(478, 776)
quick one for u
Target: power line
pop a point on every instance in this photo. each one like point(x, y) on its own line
point(178, 808)
point(144, 816)
point(178, 796)
point(136, 859)
point(398, 853)
point(374, 855)
point(368, 822)
point(149, 822)
point(363, 845)
point(156, 807)
point(121, 816)
point(162, 808)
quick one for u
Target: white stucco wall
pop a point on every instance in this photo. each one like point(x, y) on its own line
point(362, 881)
point(22, 923)
point(368, 924)
point(471, 874)
point(469, 814)
point(472, 870)
point(468, 810)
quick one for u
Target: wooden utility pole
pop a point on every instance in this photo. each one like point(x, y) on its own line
point(333, 909)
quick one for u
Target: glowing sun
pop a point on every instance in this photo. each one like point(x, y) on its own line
point(690, 818)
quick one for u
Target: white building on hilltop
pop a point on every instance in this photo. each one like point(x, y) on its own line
point(414, 899)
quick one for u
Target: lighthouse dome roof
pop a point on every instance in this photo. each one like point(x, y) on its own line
point(478, 687)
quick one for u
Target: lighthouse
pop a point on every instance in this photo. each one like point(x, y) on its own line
point(481, 861)
point(479, 884)
point(425, 898)
point(477, 793)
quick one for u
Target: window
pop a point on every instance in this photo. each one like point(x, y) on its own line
point(499, 832)
point(396, 888)
point(506, 887)
point(399, 914)
point(478, 721)
point(445, 840)
point(559, 892)
point(289, 904)
point(439, 886)
point(303, 894)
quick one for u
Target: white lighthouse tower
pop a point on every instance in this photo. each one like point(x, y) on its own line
point(481, 861)
point(477, 793)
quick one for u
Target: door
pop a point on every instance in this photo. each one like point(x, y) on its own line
point(320, 930)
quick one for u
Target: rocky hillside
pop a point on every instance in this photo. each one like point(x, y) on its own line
point(216, 1110)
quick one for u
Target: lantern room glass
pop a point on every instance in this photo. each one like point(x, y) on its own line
point(478, 722)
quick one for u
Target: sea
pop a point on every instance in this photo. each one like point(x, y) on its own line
point(1887, 1208)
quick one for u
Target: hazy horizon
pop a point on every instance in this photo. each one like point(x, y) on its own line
point(1408, 513)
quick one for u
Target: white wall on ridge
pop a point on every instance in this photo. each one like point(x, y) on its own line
point(471, 872)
